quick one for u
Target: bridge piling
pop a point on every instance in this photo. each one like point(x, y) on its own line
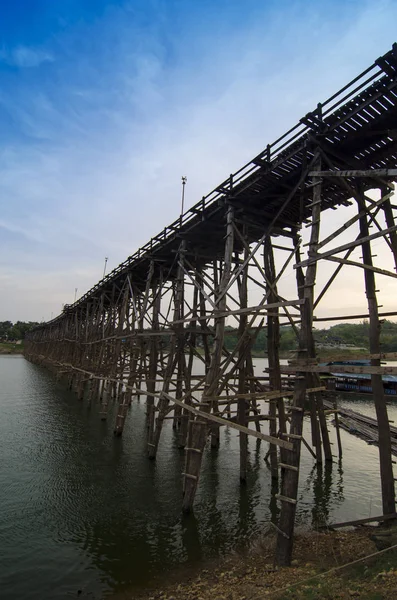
point(306, 353)
point(199, 430)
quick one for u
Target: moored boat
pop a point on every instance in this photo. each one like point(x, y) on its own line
point(356, 382)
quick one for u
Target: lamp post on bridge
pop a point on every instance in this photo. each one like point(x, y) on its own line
point(184, 180)
point(104, 268)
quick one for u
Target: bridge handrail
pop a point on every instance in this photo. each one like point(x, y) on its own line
point(267, 156)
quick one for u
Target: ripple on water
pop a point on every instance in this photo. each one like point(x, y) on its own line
point(80, 509)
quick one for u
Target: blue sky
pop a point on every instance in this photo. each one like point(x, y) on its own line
point(104, 105)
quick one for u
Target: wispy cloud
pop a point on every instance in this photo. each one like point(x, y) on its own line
point(92, 160)
point(25, 57)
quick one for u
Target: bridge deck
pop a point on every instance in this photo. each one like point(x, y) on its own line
point(357, 126)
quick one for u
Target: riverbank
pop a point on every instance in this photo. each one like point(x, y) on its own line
point(11, 348)
point(320, 571)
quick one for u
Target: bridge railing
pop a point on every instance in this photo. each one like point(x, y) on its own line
point(266, 158)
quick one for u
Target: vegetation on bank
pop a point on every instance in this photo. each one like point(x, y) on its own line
point(12, 336)
point(345, 335)
point(348, 337)
point(321, 569)
point(11, 348)
point(12, 332)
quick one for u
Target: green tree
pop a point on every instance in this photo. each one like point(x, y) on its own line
point(5, 327)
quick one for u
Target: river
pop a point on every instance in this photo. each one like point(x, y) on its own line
point(82, 510)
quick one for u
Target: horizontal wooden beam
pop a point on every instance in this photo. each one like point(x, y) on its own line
point(241, 311)
point(351, 221)
point(353, 263)
point(221, 421)
point(356, 173)
point(270, 395)
point(381, 356)
point(340, 369)
point(355, 243)
point(359, 521)
point(353, 317)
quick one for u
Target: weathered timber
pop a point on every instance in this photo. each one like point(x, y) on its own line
point(355, 522)
point(386, 466)
point(304, 368)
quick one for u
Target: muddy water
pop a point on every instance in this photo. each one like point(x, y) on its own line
point(80, 509)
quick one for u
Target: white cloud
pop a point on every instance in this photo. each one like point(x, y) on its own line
point(25, 56)
point(98, 169)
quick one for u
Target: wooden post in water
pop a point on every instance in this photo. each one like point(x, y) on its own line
point(153, 358)
point(385, 455)
point(290, 480)
point(273, 343)
point(176, 348)
point(242, 404)
point(123, 398)
point(194, 454)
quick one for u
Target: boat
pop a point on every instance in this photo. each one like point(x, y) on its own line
point(356, 382)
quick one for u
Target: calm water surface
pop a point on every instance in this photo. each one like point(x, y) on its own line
point(80, 509)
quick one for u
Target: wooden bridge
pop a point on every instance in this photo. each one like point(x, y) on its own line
point(140, 330)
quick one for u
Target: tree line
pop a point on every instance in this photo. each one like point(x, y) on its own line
point(351, 334)
point(13, 332)
point(344, 334)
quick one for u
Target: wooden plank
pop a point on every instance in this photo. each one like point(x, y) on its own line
point(353, 263)
point(356, 173)
point(353, 317)
point(278, 530)
point(285, 499)
point(357, 242)
point(380, 518)
point(259, 395)
point(340, 369)
point(351, 221)
point(221, 421)
point(382, 356)
point(285, 466)
point(250, 309)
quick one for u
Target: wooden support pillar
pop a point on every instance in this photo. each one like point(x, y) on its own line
point(290, 480)
point(81, 388)
point(273, 354)
point(180, 334)
point(315, 382)
point(176, 348)
point(153, 353)
point(103, 413)
point(204, 329)
point(215, 429)
point(385, 456)
point(252, 388)
point(155, 433)
point(94, 390)
point(242, 403)
point(183, 432)
point(315, 430)
point(133, 350)
point(390, 222)
point(340, 451)
point(199, 430)
point(121, 396)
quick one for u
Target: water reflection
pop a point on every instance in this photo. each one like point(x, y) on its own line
point(191, 538)
point(326, 482)
point(274, 507)
point(82, 509)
